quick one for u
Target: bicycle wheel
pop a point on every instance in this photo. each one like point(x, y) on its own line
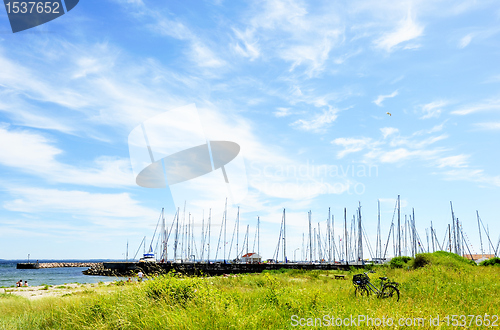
point(390, 291)
point(361, 291)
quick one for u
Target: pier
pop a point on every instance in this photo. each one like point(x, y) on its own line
point(37, 265)
point(203, 268)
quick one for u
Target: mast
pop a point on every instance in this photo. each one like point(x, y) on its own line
point(360, 236)
point(203, 238)
point(225, 229)
point(329, 238)
point(454, 230)
point(209, 224)
point(378, 248)
point(237, 232)
point(284, 237)
point(449, 235)
point(164, 231)
point(258, 236)
point(315, 244)
point(480, 237)
point(432, 238)
point(189, 237)
point(247, 238)
point(399, 227)
point(176, 235)
point(310, 238)
point(345, 236)
point(333, 237)
point(320, 254)
point(415, 233)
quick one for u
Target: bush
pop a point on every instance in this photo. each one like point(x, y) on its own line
point(172, 288)
point(491, 262)
point(399, 262)
point(421, 260)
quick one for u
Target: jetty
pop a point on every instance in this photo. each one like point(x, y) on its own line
point(203, 268)
point(38, 265)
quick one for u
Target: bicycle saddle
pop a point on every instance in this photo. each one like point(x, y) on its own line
point(383, 278)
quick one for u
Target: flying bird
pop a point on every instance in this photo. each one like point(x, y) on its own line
point(389, 113)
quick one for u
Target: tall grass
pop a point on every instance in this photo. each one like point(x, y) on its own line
point(260, 301)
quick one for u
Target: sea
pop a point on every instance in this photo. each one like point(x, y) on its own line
point(9, 275)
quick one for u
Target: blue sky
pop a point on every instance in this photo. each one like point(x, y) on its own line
point(304, 88)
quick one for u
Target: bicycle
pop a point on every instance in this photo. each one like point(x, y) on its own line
point(388, 289)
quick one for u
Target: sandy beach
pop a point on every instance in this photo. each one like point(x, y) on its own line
point(36, 292)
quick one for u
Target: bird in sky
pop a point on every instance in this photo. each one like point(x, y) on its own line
point(389, 113)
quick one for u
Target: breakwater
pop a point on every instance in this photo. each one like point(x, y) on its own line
point(36, 265)
point(192, 268)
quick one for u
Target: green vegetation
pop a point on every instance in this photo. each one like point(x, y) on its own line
point(491, 262)
point(438, 284)
point(399, 262)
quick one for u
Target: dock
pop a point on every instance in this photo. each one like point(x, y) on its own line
point(203, 268)
point(36, 265)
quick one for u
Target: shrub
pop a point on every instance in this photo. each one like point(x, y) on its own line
point(171, 288)
point(491, 262)
point(399, 262)
point(421, 260)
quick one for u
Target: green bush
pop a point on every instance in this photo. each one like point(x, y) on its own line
point(491, 262)
point(421, 260)
point(399, 262)
point(171, 288)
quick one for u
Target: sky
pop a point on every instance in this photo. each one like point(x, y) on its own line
point(333, 104)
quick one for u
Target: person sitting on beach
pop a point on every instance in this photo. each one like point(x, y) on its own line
point(26, 283)
point(19, 284)
point(140, 275)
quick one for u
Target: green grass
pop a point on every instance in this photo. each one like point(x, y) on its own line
point(443, 286)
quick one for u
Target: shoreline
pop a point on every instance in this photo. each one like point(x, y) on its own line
point(43, 291)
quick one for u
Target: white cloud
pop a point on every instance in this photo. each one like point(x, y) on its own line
point(488, 126)
point(433, 109)
point(110, 210)
point(199, 52)
point(465, 41)
point(472, 175)
point(319, 123)
point(282, 112)
point(491, 104)
point(386, 131)
point(204, 56)
point(453, 161)
point(286, 29)
point(250, 47)
point(35, 154)
point(407, 30)
point(392, 147)
point(381, 98)
point(352, 145)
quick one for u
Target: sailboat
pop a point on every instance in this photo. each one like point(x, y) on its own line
point(148, 257)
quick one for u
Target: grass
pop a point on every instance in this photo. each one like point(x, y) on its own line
point(443, 286)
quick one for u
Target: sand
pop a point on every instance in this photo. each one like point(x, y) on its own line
point(36, 292)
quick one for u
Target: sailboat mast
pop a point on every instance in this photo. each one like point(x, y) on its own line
point(237, 232)
point(399, 227)
point(225, 221)
point(310, 239)
point(209, 226)
point(284, 237)
point(345, 235)
point(480, 237)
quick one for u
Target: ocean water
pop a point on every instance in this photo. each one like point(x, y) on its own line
point(9, 275)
